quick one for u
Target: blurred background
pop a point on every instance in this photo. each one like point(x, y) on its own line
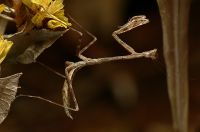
point(123, 96)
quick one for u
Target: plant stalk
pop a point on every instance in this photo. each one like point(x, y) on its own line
point(175, 17)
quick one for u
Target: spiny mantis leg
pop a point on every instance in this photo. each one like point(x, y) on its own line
point(77, 31)
point(68, 87)
point(80, 52)
point(132, 23)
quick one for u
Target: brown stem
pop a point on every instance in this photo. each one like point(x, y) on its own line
point(174, 14)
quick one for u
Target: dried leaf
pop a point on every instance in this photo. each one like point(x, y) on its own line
point(20, 13)
point(48, 9)
point(3, 22)
point(2, 7)
point(8, 90)
point(55, 6)
point(28, 46)
point(43, 3)
point(5, 46)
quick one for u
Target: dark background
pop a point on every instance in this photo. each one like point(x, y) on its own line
point(123, 96)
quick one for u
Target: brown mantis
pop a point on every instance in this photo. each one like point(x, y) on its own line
point(72, 67)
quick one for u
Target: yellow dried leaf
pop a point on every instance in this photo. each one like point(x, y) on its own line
point(55, 6)
point(2, 7)
point(51, 9)
point(43, 3)
point(5, 46)
point(60, 15)
point(30, 5)
point(37, 20)
point(53, 24)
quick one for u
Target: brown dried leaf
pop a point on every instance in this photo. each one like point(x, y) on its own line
point(28, 46)
point(3, 24)
point(8, 90)
point(20, 12)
